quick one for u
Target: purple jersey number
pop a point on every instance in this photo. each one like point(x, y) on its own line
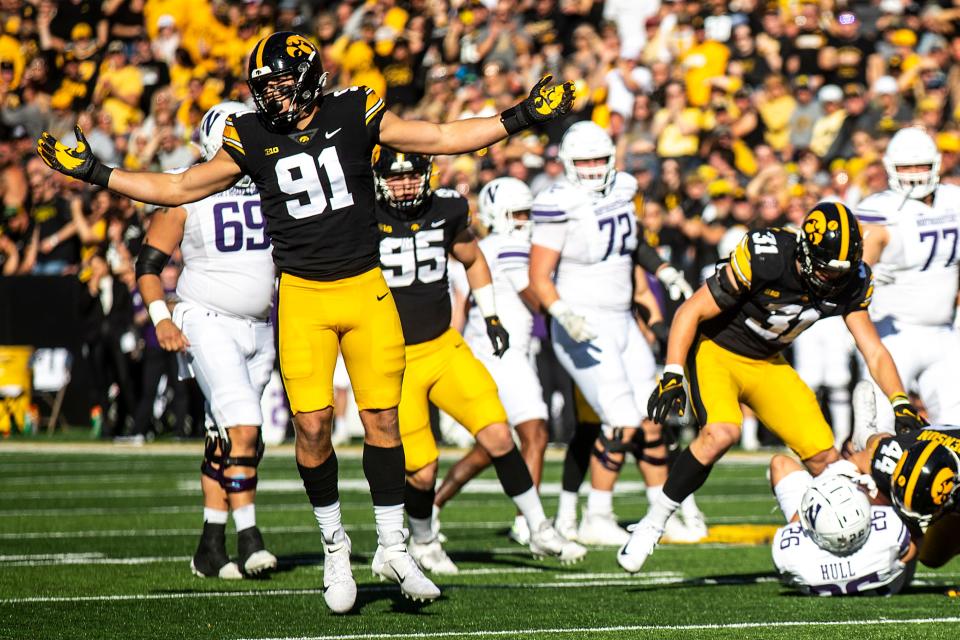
point(230, 231)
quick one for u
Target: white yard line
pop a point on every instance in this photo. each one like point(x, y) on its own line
point(523, 633)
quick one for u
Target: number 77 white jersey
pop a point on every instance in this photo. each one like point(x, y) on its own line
point(226, 254)
point(917, 275)
point(595, 235)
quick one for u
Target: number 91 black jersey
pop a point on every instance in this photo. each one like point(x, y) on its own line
point(413, 256)
point(316, 185)
point(775, 307)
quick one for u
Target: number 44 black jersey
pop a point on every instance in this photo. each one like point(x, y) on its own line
point(775, 307)
point(413, 256)
point(316, 185)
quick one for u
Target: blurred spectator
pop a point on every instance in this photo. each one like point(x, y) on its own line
point(54, 248)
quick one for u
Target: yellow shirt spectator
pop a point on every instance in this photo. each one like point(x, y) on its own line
point(679, 132)
point(702, 62)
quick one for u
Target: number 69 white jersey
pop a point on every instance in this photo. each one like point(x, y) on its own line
point(596, 235)
point(227, 256)
point(917, 274)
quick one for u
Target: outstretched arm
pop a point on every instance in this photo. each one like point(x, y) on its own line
point(165, 189)
point(463, 136)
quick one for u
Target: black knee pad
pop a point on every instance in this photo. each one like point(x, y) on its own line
point(613, 444)
point(224, 460)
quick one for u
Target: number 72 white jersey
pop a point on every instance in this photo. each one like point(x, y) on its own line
point(917, 275)
point(596, 235)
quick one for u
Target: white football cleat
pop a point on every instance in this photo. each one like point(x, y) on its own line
point(643, 540)
point(254, 557)
point(566, 526)
point(520, 531)
point(339, 587)
point(676, 530)
point(431, 557)
point(393, 562)
point(229, 571)
point(547, 541)
point(601, 529)
point(865, 423)
point(697, 524)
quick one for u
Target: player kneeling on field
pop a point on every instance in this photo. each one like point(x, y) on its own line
point(221, 326)
point(835, 542)
point(418, 228)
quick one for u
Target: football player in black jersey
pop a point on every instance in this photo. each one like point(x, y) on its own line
point(309, 155)
point(730, 336)
point(419, 227)
point(918, 472)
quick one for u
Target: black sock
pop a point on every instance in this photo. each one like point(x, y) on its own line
point(419, 502)
point(577, 461)
point(320, 483)
point(383, 467)
point(513, 473)
point(686, 476)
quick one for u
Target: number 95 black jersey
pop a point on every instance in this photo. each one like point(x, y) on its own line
point(316, 185)
point(413, 256)
point(775, 307)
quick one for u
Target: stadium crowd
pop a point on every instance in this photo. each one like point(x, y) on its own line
point(731, 115)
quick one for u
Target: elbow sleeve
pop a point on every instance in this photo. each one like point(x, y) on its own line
point(151, 261)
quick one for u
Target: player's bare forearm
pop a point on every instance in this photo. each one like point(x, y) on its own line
point(542, 263)
point(461, 136)
point(175, 189)
point(478, 272)
point(875, 238)
point(683, 330)
point(151, 289)
point(878, 360)
point(467, 251)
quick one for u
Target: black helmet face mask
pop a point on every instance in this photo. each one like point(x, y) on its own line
point(402, 180)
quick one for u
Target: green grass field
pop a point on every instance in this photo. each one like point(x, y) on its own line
point(96, 543)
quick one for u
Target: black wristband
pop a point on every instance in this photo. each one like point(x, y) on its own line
point(515, 119)
point(100, 175)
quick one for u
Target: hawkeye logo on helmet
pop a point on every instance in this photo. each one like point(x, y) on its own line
point(942, 486)
point(816, 226)
point(297, 46)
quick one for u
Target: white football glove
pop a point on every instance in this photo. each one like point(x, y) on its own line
point(675, 283)
point(575, 325)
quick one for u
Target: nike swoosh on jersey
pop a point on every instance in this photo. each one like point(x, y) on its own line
point(438, 223)
point(330, 134)
point(383, 296)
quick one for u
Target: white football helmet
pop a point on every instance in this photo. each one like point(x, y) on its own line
point(912, 146)
point(210, 132)
point(588, 141)
point(499, 200)
point(835, 512)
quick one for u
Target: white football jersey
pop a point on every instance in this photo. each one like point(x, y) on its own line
point(227, 263)
point(921, 257)
point(805, 566)
point(596, 235)
point(508, 259)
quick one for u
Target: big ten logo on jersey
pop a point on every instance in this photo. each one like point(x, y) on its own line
point(420, 257)
point(618, 230)
point(236, 226)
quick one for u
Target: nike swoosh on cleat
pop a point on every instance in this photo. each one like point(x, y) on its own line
point(330, 134)
point(383, 296)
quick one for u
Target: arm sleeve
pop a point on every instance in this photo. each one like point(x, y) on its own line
point(646, 256)
point(233, 145)
point(374, 108)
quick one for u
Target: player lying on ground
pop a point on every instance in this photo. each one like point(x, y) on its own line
point(221, 326)
point(918, 472)
point(419, 227)
point(835, 542)
point(325, 246)
point(730, 336)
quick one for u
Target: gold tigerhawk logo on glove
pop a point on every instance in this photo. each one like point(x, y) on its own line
point(549, 100)
point(297, 46)
point(67, 156)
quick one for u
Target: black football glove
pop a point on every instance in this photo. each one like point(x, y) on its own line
point(906, 418)
point(540, 106)
point(669, 393)
point(499, 337)
point(77, 162)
